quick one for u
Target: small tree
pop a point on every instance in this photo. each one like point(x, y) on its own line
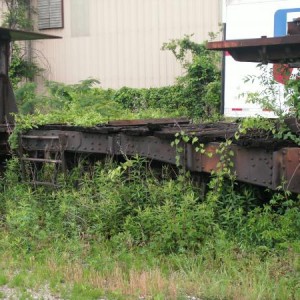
point(200, 86)
point(18, 15)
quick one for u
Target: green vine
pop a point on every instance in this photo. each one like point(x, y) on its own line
point(181, 138)
point(224, 169)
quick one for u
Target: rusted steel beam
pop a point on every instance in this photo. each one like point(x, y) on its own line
point(285, 49)
point(7, 34)
point(266, 167)
point(287, 169)
point(294, 27)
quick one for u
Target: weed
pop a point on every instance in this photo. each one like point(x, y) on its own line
point(3, 279)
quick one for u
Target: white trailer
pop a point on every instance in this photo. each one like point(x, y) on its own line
point(245, 19)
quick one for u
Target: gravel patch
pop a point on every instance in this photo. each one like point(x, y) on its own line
point(8, 293)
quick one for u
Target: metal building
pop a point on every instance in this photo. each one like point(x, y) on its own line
point(119, 41)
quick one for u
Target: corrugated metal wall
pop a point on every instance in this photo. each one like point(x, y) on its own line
point(119, 41)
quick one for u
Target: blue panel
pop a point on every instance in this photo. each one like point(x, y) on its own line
point(280, 21)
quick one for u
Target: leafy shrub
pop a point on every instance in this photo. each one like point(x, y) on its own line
point(27, 98)
point(200, 87)
point(128, 206)
point(167, 98)
point(196, 94)
point(21, 69)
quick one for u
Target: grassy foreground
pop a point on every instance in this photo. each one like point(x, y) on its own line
point(129, 232)
point(102, 273)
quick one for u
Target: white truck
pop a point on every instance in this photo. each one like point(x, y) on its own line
point(246, 19)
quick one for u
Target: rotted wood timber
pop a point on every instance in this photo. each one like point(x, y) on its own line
point(258, 158)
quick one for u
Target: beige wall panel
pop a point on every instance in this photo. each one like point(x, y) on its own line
point(124, 40)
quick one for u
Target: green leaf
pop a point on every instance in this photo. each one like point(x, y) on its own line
point(194, 140)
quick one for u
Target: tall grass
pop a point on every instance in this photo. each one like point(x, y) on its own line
point(128, 231)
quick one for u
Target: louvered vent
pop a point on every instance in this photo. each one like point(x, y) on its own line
point(50, 14)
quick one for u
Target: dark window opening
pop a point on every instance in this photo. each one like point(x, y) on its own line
point(50, 14)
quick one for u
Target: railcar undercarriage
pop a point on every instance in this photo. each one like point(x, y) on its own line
point(257, 158)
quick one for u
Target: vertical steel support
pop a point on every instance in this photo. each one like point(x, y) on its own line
point(7, 99)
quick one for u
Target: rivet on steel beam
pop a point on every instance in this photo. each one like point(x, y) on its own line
point(253, 165)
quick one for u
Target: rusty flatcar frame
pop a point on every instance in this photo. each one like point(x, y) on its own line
point(255, 164)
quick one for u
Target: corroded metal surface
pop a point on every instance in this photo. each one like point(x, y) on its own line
point(7, 97)
point(285, 49)
point(294, 27)
point(257, 158)
point(278, 50)
point(8, 34)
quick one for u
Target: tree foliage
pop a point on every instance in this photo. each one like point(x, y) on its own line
point(200, 86)
point(18, 15)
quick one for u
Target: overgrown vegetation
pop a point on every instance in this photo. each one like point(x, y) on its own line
point(23, 66)
point(282, 100)
point(200, 87)
point(128, 231)
point(127, 221)
point(195, 95)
